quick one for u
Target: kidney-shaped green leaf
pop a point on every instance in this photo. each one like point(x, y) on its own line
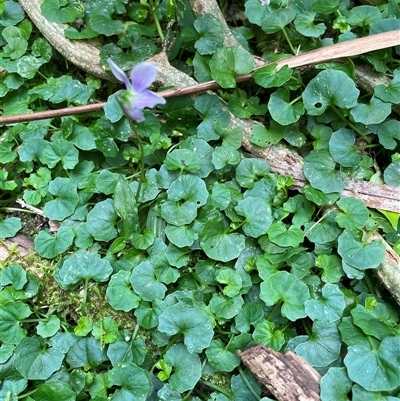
point(283, 286)
point(186, 366)
point(34, 361)
point(358, 254)
point(82, 266)
point(330, 88)
point(319, 169)
point(192, 322)
point(375, 369)
point(119, 292)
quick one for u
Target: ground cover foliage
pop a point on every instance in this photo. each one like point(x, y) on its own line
point(175, 250)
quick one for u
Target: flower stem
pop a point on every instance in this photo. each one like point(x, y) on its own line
point(289, 42)
point(156, 21)
point(248, 384)
point(350, 124)
point(141, 162)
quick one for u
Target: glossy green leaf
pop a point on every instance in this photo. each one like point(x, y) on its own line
point(373, 322)
point(329, 88)
point(9, 227)
point(277, 20)
point(323, 346)
point(82, 266)
point(373, 112)
point(258, 216)
point(319, 169)
point(225, 155)
point(211, 34)
point(101, 22)
point(54, 390)
point(265, 333)
point(282, 236)
point(183, 160)
point(86, 352)
point(228, 62)
point(358, 254)
point(327, 230)
point(304, 24)
point(389, 93)
point(218, 244)
point(186, 366)
point(375, 369)
point(11, 314)
point(193, 323)
point(48, 245)
point(354, 213)
point(120, 293)
point(301, 208)
point(127, 351)
point(105, 330)
point(251, 314)
point(335, 385)
point(13, 274)
point(52, 10)
point(49, 327)
point(331, 266)
point(283, 286)
point(83, 327)
point(268, 77)
point(232, 280)
point(12, 14)
point(329, 306)
point(145, 283)
point(392, 174)
point(226, 308)
point(66, 199)
point(388, 133)
point(101, 221)
point(342, 148)
point(220, 358)
point(34, 360)
point(364, 15)
point(212, 111)
point(251, 170)
point(282, 110)
point(126, 207)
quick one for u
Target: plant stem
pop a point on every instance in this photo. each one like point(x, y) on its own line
point(246, 380)
point(141, 162)
point(289, 42)
point(216, 387)
point(156, 21)
point(85, 291)
point(350, 124)
point(274, 309)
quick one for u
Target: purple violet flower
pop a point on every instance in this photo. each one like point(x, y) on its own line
point(136, 96)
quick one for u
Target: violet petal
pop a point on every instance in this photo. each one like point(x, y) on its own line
point(142, 76)
point(136, 115)
point(147, 99)
point(118, 73)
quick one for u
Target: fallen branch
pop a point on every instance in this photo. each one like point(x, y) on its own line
point(287, 376)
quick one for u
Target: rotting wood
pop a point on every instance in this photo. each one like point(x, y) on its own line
point(287, 376)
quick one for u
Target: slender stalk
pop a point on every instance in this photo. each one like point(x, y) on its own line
point(249, 386)
point(85, 292)
point(350, 124)
point(289, 42)
point(216, 387)
point(141, 163)
point(156, 21)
